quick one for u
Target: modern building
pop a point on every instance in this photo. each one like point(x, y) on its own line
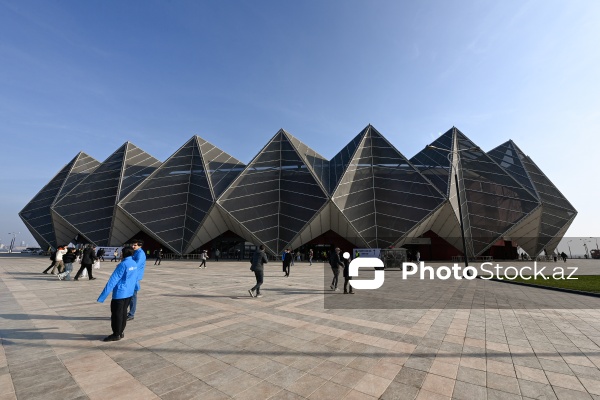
point(289, 196)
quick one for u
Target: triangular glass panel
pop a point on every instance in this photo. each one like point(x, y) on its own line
point(434, 163)
point(276, 195)
point(172, 202)
point(89, 207)
point(36, 213)
point(381, 194)
point(138, 166)
point(494, 200)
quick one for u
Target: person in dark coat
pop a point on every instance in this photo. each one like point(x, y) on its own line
point(68, 259)
point(87, 259)
point(159, 255)
point(335, 262)
point(347, 277)
point(287, 262)
point(259, 259)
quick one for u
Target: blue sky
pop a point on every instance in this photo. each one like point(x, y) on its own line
point(90, 75)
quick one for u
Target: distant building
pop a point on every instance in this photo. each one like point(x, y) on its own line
point(369, 195)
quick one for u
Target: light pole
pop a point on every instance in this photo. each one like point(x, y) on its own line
point(12, 242)
point(568, 245)
point(455, 168)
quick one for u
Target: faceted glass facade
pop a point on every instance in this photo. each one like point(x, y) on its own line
point(556, 211)
point(289, 195)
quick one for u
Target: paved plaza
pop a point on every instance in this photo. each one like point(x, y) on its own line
point(197, 334)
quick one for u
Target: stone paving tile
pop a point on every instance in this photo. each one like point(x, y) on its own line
point(192, 390)
point(467, 391)
point(568, 394)
point(438, 384)
point(493, 394)
point(427, 395)
point(260, 391)
point(198, 337)
point(536, 390)
point(473, 376)
point(330, 391)
point(399, 391)
point(372, 385)
point(306, 385)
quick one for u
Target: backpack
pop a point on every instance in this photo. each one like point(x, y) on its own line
point(53, 256)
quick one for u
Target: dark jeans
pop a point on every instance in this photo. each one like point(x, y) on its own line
point(286, 269)
point(51, 265)
point(336, 274)
point(118, 315)
point(347, 287)
point(259, 274)
point(132, 304)
point(157, 261)
point(89, 271)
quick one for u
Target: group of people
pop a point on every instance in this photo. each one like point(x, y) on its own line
point(124, 282)
point(339, 263)
point(64, 257)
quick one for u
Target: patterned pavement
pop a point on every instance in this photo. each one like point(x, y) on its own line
point(199, 335)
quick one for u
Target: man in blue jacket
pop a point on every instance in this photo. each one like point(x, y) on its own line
point(122, 283)
point(139, 256)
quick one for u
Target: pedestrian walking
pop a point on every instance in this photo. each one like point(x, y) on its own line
point(259, 259)
point(203, 257)
point(310, 256)
point(122, 283)
point(52, 264)
point(159, 254)
point(288, 260)
point(115, 256)
point(139, 256)
point(68, 260)
point(57, 262)
point(347, 278)
point(563, 255)
point(88, 258)
point(335, 262)
point(217, 255)
point(100, 254)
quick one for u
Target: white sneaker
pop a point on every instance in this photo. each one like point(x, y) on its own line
point(259, 295)
point(59, 277)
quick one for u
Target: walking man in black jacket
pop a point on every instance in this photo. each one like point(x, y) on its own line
point(335, 262)
point(87, 259)
point(259, 259)
point(287, 262)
